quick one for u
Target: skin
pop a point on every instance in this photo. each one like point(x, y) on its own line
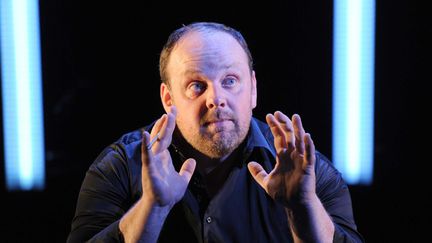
point(214, 91)
point(210, 96)
point(161, 182)
point(292, 181)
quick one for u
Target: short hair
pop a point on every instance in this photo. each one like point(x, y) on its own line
point(202, 27)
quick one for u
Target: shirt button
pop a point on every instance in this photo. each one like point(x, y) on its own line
point(209, 219)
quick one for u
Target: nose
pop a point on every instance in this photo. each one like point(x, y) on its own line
point(215, 97)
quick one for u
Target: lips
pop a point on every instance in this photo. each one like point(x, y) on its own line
point(216, 122)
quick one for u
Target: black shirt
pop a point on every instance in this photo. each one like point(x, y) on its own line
point(239, 211)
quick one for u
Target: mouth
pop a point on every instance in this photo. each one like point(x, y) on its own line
point(217, 122)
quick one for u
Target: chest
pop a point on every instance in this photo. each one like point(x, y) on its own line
point(240, 211)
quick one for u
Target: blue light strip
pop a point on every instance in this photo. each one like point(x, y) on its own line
point(353, 89)
point(22, 95)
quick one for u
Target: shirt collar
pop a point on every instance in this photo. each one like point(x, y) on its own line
point(257, 138)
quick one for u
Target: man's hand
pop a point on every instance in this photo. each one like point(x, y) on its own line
point(292, 181)
point(160, 181)
point(161, 184)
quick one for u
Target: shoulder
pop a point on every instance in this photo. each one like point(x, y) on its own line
point(118, 165)
point(124, 153)
point(124, 147)
point(328, 178)
point(324, 166)
point(128, 145)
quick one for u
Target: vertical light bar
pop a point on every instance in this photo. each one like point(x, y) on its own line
point(353, 89)
point(22, 95)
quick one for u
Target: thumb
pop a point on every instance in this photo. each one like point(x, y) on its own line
point(187, 169)
point(257, 172)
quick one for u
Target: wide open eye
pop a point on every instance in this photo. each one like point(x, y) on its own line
point(195, 88)
point(229, 82)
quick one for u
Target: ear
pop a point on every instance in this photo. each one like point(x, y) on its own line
point(253, 90)
point(166, 97)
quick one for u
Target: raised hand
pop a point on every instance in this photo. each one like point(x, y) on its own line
point(292, 181)
point(161, 183)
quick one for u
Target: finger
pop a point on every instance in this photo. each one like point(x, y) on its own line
point(187, 169)
point(157, 126)
point(299, 133)
point(309, 151)
point(166, 131)
point(258, 173)
point(173, 110)
point(278, 134)
point(288, 130)
point(145, 156)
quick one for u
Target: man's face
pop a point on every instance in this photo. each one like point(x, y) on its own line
point(214, 92)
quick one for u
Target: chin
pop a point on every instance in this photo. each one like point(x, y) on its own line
point(219, 149)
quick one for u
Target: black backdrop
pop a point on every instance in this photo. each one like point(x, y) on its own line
point(100, 74)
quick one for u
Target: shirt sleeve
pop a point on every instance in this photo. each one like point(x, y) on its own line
point(103, 199)
point(335, 196)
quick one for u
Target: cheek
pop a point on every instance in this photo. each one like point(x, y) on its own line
point(242, 101)
point(242, 107)
point(191, 109)
point(187, 115)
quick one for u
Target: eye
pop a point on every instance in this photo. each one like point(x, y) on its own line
point(229, 82)
point(195, 88)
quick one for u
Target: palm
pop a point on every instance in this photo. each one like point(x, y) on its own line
point(160, 181)
point(293, 178)
point(163, 181)
point(289, 182)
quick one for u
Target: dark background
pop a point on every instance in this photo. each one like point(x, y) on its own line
point(100, 80)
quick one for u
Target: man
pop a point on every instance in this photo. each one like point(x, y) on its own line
point(207, 171)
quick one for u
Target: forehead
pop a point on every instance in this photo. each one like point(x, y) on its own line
point(209, 50)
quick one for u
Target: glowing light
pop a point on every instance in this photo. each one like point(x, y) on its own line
point(22, 95)
point(353, 89)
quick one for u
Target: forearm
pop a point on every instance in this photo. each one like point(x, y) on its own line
point(310, 223)
point(143, 222)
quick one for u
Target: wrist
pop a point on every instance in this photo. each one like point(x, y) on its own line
point(303, 204)
point(153, 206)
point(144, 220)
